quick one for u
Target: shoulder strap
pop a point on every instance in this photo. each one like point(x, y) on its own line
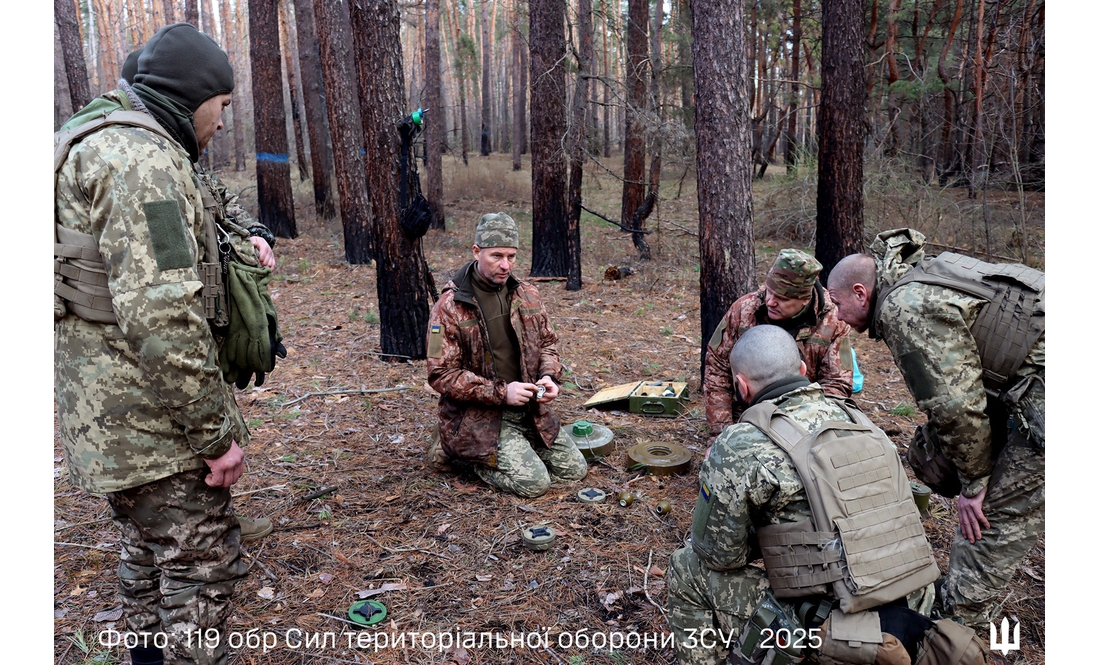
point(63, 141)
point(783, 431)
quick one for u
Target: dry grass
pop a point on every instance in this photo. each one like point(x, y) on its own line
point(451, 542)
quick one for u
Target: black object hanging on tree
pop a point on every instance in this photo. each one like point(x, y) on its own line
point(415, 213)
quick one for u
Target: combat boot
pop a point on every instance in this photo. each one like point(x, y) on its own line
point(437, 459)
point(254, 529)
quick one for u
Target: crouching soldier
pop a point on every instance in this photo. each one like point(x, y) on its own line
point(844, 557)
point(493, 359)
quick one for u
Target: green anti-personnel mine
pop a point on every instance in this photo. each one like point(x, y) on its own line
point(921, 495)
point(367, 612)
point(664, 507)
point(660, 459)
point(538, 538)
point(594, 441)
point(591, 495)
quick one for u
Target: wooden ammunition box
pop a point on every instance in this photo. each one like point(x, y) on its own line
point(663, 399)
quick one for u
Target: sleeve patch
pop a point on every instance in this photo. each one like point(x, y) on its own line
point(169, 238)
point(716, 338)
point(435, 342)
point(847, 354)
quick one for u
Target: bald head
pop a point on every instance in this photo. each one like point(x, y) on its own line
point(851, 288)
point(764, 355)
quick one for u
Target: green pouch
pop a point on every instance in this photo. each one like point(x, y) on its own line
point(252, 339)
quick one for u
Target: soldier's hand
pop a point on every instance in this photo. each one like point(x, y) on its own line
point(267, 255)
point(971, 516)
point(519, 393)
point(552, 389)
point(225, 470)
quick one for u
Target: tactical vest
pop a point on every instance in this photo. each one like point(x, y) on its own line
point(865, 542)
point(1011, 321)
point(80, 277)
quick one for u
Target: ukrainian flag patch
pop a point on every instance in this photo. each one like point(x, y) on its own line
point(704, 491)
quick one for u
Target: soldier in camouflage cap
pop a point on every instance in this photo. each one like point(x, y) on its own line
point(144, 414)
point(496, 229)
point(793, 299)
point(746, 483)
point(493, 359)
point(969, 339)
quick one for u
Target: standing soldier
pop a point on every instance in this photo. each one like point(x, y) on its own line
point(145, 415)
point(793, 299)
point(493, 359)
point(969, 338)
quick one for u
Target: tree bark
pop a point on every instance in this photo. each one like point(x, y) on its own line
point(404, 282)
point(486, 86)
point(518, 90)
point(191, 12)
point(290, 63)
point(548, 210)
point(790, 156)
point(840, 134)
point(579, 144)
point(169, 11)
point(272, 161)
point(461, 66)
point(345, 123)
point(320, 146)
point(434, 141)
point(634, 182)
point(72, 49)
point(727, 266)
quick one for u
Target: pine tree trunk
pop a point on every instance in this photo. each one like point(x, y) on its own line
point(518, 89)
point(169, 11)
point(320, 145)
point(579, 145)
point(790, 156)
point(524, 91)
point(548, 126)
point(434, 140)
point(290, 62)
point(840, 134)
point(236, 108)
point(342, 104)
point(486, 86)
point(727, 266)
point(191, 11)
point(272, 161)
point(634, 179)
point(72, 49)
point(404, 282)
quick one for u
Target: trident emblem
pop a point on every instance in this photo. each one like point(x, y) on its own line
point(1001, 643)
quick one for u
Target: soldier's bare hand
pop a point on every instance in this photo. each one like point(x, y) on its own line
point(551, 389)
point(227, 469)
point(267, 255)
point(971, 518)
point(519, 393)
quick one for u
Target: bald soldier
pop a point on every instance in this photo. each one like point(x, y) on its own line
point(969, 338)
point(793, 299)
point(493, 359)
point(753, 503)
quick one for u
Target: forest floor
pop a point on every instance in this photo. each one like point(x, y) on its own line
point(443, 552)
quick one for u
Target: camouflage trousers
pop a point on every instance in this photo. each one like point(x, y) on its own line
point(179, 564)
point(1014, 505)
point(527, 471)
point(707, 609)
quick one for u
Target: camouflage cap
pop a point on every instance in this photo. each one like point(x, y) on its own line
point(496, 229)
point(793, 274)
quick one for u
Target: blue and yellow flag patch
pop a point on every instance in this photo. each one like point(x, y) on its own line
point(704, 491)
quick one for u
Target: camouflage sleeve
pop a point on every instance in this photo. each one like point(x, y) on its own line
point(834, 369)
point(928, 331)
point(144, 221)
point(722, 409)
point(549, 359)
point(741, 484)
point(446, 375)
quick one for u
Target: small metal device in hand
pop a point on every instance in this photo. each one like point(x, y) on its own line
point(540, 391)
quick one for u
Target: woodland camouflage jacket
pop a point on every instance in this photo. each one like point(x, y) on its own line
point(460, 367)
point(823, 344)
point(143, 399)
point(927, 328)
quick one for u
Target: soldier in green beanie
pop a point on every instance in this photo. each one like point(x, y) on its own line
point(144, 413)
point(793, 299)
point(493, 359)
